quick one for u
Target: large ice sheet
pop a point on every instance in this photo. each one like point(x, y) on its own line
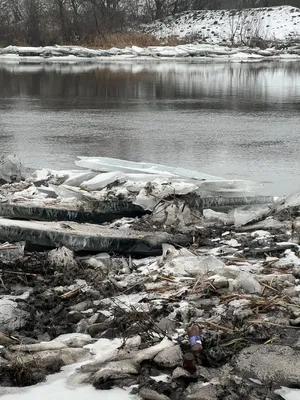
point(104, 164)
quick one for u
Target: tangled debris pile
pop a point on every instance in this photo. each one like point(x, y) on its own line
point(234, 273)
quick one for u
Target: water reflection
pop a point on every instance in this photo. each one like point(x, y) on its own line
point(235, 120)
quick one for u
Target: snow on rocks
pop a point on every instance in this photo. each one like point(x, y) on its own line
point(11, 315)
point(123, 314)
point(10, 169)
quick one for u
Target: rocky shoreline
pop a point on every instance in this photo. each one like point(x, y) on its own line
point(237, 277)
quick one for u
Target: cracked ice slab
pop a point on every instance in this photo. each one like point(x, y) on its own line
point(107, 211)
point(88, 237)
point(104, 164)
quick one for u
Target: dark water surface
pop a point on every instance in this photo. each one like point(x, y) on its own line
point(230, 120)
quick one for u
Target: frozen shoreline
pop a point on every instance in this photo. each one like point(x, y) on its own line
point(192, 53)
point(118, 321)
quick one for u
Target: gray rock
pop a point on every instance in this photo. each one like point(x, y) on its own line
point(290, 291)
point(288, 284)
point(297, 344)
point(98, 328)
point(296, 271)
point(10, 169)
point(6, 340)
point(165, 325)
point(270, 363)
point(202, 391)
point(82, 306)
point(206, 374)
point(74, 317)
point(276, 280)
point(220, 282)
point(295, 322)
point(3, 362)
point(82, 326)
point(116, 370)
point(180, 373)
point(44, 337)
point(170, 357)
point(74, 355)
point(150, 394)
point(93, 319)
point(11, 316)
point(242, 313)
point(249, 285)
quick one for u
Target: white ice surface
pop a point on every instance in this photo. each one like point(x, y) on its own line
point(288, 394)
point(55, 388)
point(105, 164)
point(56, 385)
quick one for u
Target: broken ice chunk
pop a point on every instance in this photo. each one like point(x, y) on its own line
point(102, 180)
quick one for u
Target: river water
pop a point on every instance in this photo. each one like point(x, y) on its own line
point(231, 120)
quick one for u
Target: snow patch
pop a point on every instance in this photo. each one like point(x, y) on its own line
point(235, 26)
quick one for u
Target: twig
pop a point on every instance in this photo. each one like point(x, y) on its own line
point(164, 278)
point(136, 284)
point(196, 284)
point(4, 271)
point(224, 328)
point(2, 282)
point(71, 293)
point(258, 322)
point(270, 287)
point(233, 341)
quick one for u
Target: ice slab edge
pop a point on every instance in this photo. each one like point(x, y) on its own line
point(107, 211)
point(110, 210)
point(219, 203)
point(83, 238)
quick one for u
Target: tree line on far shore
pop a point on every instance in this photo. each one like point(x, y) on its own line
point(44, 22)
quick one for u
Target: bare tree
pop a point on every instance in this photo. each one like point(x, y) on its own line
point(38, 22)
point(32, 23)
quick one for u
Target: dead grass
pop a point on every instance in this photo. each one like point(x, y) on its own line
point(122, 40)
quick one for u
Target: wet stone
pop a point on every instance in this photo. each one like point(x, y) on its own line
point(295, 322)
point(150, 394)
point(74, 317)
point(202, 391)
point(99, 328)
point(270, 363)
point(169, 358)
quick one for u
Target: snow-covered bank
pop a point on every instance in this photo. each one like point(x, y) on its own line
point(186, 53)
point(227, 35)
point(235, 26)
